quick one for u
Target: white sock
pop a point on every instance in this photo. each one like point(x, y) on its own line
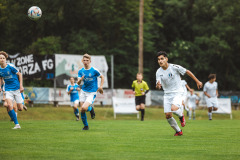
point(178, 112)
point(210, 115)
point(174, 124)
point(194, 114)
point(190, 114)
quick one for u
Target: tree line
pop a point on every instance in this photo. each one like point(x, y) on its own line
point(202, 36)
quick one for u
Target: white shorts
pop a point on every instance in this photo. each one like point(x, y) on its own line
point(212, 102)
point(172, 99)
point(14, 95)
point(87, 96)
point(184, 98)
point(193, 106)
point(74, 102)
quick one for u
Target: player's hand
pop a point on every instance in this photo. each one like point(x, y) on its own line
point(143, 93)
point(100, 90)
point(21, 89)
point(199, 84)
point(79, 81)
point(71, 88)
point(158, 85)
point(134, 92)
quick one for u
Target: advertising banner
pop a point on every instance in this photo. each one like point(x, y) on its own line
point(224, 106)
point(38, 95)
point(68, 66)
point(34, 66)
point(124, 106)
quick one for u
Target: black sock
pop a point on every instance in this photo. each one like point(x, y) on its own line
point(142, 113)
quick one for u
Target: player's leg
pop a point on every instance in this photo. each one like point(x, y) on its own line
point(173, 124)
point(215, 104)
point(168, 113)
point(24, 107)
point(15, 108)
point(210, 106)
point(194, 114)
point(190, 113)
point(175, 108)
point(90, 99)
point(83, 109)
point(142, 109)
point(75, 109)
point(11, 112)
point(210, 113)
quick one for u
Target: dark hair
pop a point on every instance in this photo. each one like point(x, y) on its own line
point(212, 76)
point(162, 53)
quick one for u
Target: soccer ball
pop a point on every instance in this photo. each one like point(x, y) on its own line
point(34, 13)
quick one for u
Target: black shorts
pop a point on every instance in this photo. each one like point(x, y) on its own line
point(140, 99)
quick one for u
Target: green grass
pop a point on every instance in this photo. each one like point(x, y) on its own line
point(53, 133)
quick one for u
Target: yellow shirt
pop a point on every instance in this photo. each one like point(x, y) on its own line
point(139, 87)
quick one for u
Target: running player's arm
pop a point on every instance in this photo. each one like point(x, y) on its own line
point(188, 87)
point(190, 74)
point(205, 91)
point(158, 81)
point(146, 88)
point(69, 90)
point(100, 88)
point(20, 81)
point(1, 82)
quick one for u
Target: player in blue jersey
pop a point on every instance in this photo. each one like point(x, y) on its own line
point(73, 90)
point(90, 88)
point(13, 86)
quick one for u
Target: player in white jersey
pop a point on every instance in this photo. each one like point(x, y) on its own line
point(168, 78)
point(210, 90)
point(192, 104)
point(90, 87)
point(184, 96)
point(13, 86)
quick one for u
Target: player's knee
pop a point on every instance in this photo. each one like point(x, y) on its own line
point(168, 116)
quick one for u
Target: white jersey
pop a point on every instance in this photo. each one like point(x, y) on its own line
point(170, 78)
point(192, 100)
point(184, 83)
point(211, 89)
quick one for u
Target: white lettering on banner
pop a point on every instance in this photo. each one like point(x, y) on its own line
point(24, 69)
point(47, 64)
point(30, 69)
point(24, 60)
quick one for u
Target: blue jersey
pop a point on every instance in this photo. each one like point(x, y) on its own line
point(9, 74)
point(74, 93)
point(90, 82)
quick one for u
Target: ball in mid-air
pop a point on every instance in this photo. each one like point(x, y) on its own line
point(34, 13)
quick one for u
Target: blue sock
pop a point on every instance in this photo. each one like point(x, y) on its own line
point(10, 116)
point(76, 112)
point(89, 108)
point(84, 119)
point(13, 116)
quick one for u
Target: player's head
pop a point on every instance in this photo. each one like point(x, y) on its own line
point(192, 91)
point(3, 57)
point(71, 79)
point(212, 77)
point(86, 59)
point(139, 76)
point(162, 58)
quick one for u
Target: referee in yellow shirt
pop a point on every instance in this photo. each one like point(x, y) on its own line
point(140, 89)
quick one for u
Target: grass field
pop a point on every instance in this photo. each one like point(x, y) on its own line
point(53, 133)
